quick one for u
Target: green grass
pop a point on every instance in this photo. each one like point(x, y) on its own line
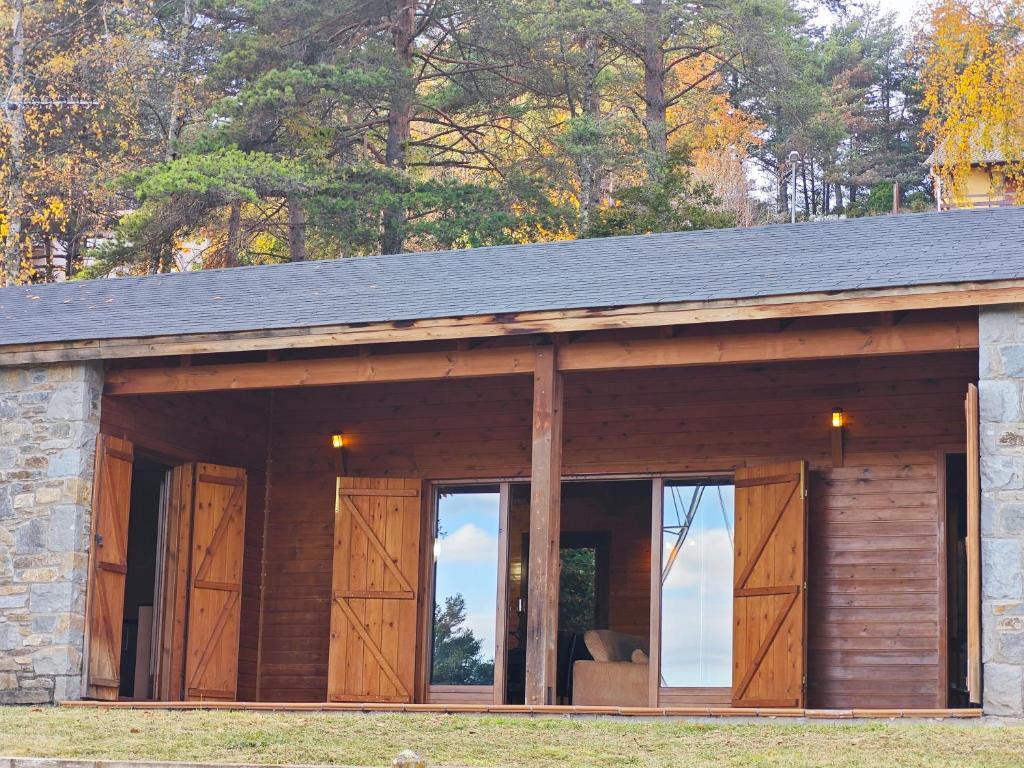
point(269, 737)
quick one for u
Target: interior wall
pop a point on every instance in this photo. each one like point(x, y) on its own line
point(227, 428)
point(625, 514)
point(876, 611)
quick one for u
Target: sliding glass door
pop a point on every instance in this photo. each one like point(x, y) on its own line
point(467, 570)
point(696, 578)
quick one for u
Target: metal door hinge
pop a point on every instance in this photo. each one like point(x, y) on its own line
point(98, 538)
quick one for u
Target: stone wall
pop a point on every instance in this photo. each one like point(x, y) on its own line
point(1001, 400)
point(49, 417)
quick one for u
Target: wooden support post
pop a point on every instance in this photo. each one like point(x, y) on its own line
point(654, 668)
point(545, 529)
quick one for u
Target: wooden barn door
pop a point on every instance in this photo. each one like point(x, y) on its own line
point(108, 557)
point(215, 583)
point(770, 595)
point(374, 590)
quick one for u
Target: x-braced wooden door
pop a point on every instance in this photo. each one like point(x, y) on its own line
point(215, 583)
point(770, 587)
point(374, 590)
point(108, 560)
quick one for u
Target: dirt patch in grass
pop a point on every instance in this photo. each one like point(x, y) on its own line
point(352, 739)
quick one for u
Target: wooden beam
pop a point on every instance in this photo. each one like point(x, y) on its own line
point(411, 366)
point(550, 321)
point(752, 347)
point(545, 529)
point(747, 347)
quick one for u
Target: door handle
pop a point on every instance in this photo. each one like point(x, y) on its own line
point(98, 538)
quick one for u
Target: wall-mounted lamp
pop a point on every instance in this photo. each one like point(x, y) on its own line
point(338, 443)
point(838, 433)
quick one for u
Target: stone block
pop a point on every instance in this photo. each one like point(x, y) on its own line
point(57, 660)
point(13, 379)
point(1012, 356)
point(10, 636)
point(26, 696)
point(30, 537)
point(1011, 647)
point(67, 463)
point(13, 601)
point(1004, 689)
point(67, 687)
point(70, 402)
point(48, 495)
point(999, 323)
point(8, 458)
point(1012, 519)
point(65, 528)
point(1002, 472)
point(44, 624)
point(51, 598)
point(999, 401)
point(1003, 576)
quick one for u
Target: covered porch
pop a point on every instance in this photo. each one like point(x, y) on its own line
point(493, 502)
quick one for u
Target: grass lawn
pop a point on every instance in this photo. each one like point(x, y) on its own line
point(268, 737)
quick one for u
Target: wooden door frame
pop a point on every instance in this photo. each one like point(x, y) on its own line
point(425, 690)
point(942, 540)
point(169, 683)
point(144, 452)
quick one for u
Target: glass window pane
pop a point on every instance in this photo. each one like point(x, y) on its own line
point(465, 586)
point(696, 593)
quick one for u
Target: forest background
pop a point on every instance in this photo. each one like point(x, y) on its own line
point(157, 135)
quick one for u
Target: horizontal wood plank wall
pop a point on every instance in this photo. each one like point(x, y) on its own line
point(874, 591)
point(224, 428)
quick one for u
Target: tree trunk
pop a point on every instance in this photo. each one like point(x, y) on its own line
point(296, 229)
point(234, 242)
point(589, 172)
point(807, 203)
point(71, 254)
point(174, 106)
point(839, 195)
point(814, 190)
point(14, 113)
point(655, 116)
point(399, 117)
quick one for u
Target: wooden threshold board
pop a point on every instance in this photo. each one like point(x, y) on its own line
point(512, 709)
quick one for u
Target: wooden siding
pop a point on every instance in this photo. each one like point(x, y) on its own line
point(876, 581)
point(229, 429)
point(875, 585)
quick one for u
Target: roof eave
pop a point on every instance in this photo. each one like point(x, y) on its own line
point(930, 296)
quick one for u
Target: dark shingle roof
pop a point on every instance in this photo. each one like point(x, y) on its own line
point(881, 252)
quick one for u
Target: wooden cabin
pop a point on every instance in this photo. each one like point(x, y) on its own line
point(732, 470)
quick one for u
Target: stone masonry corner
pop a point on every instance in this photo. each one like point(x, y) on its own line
point(49, 418)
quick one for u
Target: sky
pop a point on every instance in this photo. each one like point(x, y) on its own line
point(903, 8)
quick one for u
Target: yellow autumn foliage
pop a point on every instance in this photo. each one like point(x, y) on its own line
point(974, 87)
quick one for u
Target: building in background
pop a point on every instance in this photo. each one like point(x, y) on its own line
point(988, 185)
